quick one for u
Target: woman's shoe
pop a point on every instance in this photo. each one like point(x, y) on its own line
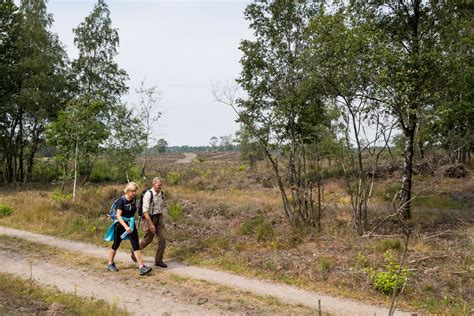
point(144, 270)
point(112, 267)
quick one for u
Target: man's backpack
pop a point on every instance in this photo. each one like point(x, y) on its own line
point(140, 204)
point(113, 208)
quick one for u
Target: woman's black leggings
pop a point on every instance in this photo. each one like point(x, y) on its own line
point(119, 230)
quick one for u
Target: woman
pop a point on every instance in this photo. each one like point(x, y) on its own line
point(124, 228)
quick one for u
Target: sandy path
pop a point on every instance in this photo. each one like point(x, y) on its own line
point(188, 158)
point(126, 295)
point(288, 294)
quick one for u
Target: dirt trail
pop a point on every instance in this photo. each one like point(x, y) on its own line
point(84, 284)
point(285, 293)
point(188, 158)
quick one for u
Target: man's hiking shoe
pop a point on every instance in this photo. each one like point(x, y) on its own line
point(133, 257)
point(161, 264)
point(144, 270)
point(111, 267)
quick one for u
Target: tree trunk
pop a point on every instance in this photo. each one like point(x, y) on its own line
point(34, 148)
point(75, 171)
point(144, 165)
point(405, 194)
point(20, 145)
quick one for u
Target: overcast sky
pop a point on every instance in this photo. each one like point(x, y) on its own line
point(179, 46)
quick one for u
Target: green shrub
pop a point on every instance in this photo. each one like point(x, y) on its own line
point(101, 172)
point(5, 210)
point(386, 280)
point(324, 265)
point(175, 211)
point(44, 170)
point(257, 226)
point(388, 244)
point(264, 232)
point(173, 178)
point(249, 226)
point(201, 159)
point(362, 261)
point(59, 197)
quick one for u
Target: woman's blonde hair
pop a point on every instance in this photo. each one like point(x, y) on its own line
point(131, 186)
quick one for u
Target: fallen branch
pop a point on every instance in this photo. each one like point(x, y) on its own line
point(439, 234)
point(427, 258)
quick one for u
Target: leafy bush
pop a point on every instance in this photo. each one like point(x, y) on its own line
point(173, 178)
point(389, 244)
point(175, 211)
point(249, 226)
point(324, 265)
point(385, 281)
point(262, 229)
point(201, 159)
point(5, 210)
point(101, 172)
point(264, 232)
point(59, 197)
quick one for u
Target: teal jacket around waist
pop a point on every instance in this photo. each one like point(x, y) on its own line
point(110, 234)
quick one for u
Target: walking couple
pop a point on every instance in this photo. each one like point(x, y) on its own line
point(153, 205)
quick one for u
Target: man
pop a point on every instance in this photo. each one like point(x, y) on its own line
point(153, 207)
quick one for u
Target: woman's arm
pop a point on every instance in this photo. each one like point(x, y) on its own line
point(122, 222)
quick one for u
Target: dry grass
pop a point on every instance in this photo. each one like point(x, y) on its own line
point(179, 288)
point(222, 204)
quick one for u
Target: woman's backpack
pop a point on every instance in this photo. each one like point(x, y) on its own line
point(113, 208)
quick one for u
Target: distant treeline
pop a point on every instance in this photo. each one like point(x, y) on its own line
point(196, 149)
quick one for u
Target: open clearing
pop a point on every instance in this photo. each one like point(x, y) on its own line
point(86, 284)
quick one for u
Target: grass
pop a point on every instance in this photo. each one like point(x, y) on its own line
point(235, 223)
point(436, 202)
point(24, 292)
point(182, 288)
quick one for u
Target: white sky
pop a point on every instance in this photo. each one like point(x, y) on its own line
point(179, 46)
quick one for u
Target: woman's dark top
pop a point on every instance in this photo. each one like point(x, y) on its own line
point(128, 207)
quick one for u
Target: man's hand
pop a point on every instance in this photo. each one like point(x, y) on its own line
point(129, 230)
point(151, 226)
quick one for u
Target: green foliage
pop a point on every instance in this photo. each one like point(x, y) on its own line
point(126, 141)
point(59, 197)
point(264, 232)
point(201, 159)
point(437, 202)
point(175, 211)
point(324, 265)
point(362, 261)
point(161, 146)
point(388, 244)
point(284, 107)
point(32, 83)
point(386, 280)
point(249, 226)
point(259, 227)
point(173, 178)
point(98, 77)
point(249, 148)
point(103, 172)
point(78, 127)
point(5, 210)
